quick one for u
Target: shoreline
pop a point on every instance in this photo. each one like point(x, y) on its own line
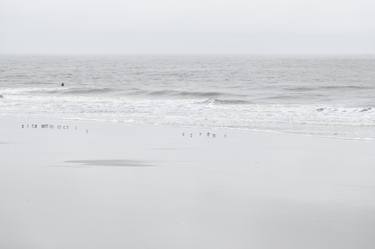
point(55, 120)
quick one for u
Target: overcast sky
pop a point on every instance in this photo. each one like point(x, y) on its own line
point(187, 26)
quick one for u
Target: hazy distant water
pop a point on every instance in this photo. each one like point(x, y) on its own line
point(333, 96)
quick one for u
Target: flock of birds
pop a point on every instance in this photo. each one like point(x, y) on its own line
point(49, 126)
point(67, 127)
point(207, 134)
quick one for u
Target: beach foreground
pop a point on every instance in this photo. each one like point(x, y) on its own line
point(105, 185)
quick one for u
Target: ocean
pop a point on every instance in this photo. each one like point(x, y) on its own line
point(330, 96)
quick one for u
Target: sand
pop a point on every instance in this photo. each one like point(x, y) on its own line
point(107, 185)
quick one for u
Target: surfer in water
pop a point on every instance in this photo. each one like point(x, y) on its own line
point(62, 84)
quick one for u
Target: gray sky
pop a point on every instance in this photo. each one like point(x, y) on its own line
point(187, 26)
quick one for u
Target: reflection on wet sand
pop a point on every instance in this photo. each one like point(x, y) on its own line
point(114, 163)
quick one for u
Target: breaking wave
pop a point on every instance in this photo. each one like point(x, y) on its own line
point(328, 87)
point(76, 91)
point(191, 94)
point(226, 102)
point(129, 92)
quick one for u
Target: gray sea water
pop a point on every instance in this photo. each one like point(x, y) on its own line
point(328, 96)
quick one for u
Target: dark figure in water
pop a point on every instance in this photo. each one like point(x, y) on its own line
point(62, 84)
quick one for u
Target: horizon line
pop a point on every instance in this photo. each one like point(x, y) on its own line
point(184, 54)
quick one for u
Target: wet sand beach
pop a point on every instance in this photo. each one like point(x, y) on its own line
point(111, 185)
